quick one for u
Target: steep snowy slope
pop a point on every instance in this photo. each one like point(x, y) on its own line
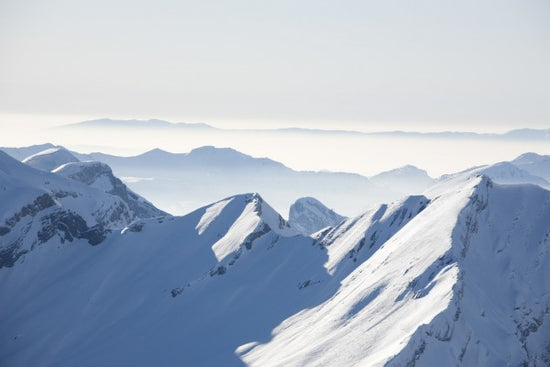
point(309, 215)
point(37, 206)
point(463, 283)
point(499, 313)
point(50, 159)
point(100, 176)
point(177, 291)
point(458, 276)
point(356, 239)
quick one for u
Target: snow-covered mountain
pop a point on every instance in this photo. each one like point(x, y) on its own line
point(464, 282)
point(38, 206)
point(407, 179)
point(535, 164)
point(49, 159)
point(503, 173)
point(509, 173)
point(309, 215)
point(100, 176)
point(455, 277)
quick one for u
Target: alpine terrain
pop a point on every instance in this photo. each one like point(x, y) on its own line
point(93, 275)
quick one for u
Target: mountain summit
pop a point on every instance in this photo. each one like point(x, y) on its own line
point(456, 276)
point(309, 215)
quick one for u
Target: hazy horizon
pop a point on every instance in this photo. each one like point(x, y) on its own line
point(469, 65)
point(21, 120)
point(479, 66)
point(364, 154)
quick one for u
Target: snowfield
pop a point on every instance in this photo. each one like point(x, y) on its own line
point(456, 276)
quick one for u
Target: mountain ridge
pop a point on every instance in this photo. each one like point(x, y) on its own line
point(515, 134)
point(268, 295)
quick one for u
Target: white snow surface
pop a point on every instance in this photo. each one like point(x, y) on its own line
point(456, 276)
point(504, 173)
point(254, 217)
point(308, 215)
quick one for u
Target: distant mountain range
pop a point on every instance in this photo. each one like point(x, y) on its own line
point(181, 182)
point(140, 124)
point(519, 134)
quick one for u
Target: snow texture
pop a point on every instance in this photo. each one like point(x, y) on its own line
point(309, 215)
point(456, 276)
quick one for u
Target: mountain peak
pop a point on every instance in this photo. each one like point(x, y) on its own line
point(510, 173)
point(210, 150)
point(308, 215)
point(528, 157)
point(240, 219)
point(406, 179)
point(156, 151)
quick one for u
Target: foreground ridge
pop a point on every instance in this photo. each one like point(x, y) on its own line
point(454, 276)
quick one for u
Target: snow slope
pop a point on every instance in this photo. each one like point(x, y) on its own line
point(503, 173)
point(456, 276)
point(464, 282)
point(50, 159)
point(309, 215)
point(509, 173)
point(155, 293)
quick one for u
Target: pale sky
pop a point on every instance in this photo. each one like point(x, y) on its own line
point(414, 65)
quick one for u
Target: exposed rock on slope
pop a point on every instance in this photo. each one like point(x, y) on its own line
point(39, 206)
point(462, 283)
point(458, 276)
point(100, 176)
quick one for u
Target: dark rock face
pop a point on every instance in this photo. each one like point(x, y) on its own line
point(40, 203)
point(54, 221)
point(10, 254)
point(70, 226)
point(90, 172)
